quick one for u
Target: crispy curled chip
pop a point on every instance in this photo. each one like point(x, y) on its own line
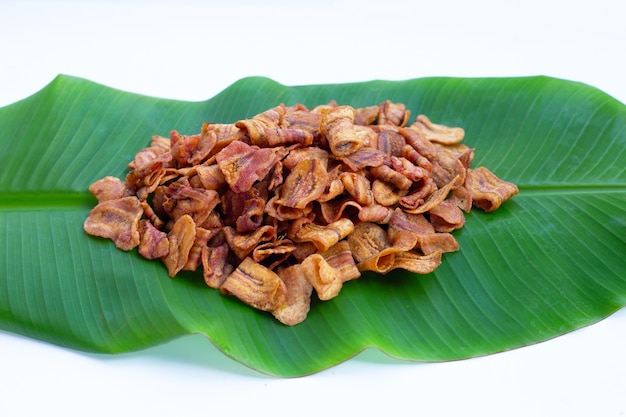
point(438, 133)
point(363, 158)
point(328, 270)
point(117, 220)
point(462, 198)
point(436, 197)
point(109, 188)
point(336, 209)
point(294, 201)
point(408, 169)
point(278, 136)
point(242, 244)
point(210, 177)
point(375, 213)
point(418, 194)
point(488, 191)
point(373, 251)
point(446, 216)
point(184, 149)
point(358, 186)
point(334, 189)
point(151, 167)
point(282, 212)
point(389, 175)
point(220, 135)
point(276, 251)
point(447, 167)
point(365, 116)
point(266, 129)
point(215, 265)
point(324, 278)
point(390, 142)
point(195, 253)
point(299, 117)
point(295, 156)
point(153, 243)
point(245, 210)
point(322, 236)
point(387, 194)
point(181, 239)
point(297, 300)
point(256, 285)
point(368, 243)
point(181, 200)
point(305, 183)
point(337, 126)
point(392, 114)
point(427, 239)
point(340, 258)
point(414, 262)
point(242, 165)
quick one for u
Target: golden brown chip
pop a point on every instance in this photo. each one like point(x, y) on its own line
point(436, 197)
point(358, 186)
point(438, 133)
point(370, 245)
point(117, 220)
point(297, 300)
point(386, 194)
point(427, 239)
point(183, 149)
point(390, 175)
point(340, 258)
point(322, 236)
point(210, 177)
point(414, 262)
point(281, 212)
point(256, 285)
point(195, 253)
point(446, 216)
point(462, 198)
point(337, 126)
point(446, 167)
point(324, 278)
point(299, 117)
point(363, 158)
point(488, 191)
point(109, 188)
point(242, 244)
point(375, 213)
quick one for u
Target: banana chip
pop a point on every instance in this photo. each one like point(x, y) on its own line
point(295, 202)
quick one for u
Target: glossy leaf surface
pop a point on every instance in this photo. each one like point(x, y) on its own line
point(549, 261)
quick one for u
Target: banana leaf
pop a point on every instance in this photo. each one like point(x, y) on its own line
point(549, 261)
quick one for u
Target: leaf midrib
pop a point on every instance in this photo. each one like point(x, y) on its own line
point(564, 189)
point(73, 200)
point(46, 200)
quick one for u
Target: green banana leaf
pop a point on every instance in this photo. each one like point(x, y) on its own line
point(549, 261)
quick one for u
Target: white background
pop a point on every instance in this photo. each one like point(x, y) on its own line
point(192, 50)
